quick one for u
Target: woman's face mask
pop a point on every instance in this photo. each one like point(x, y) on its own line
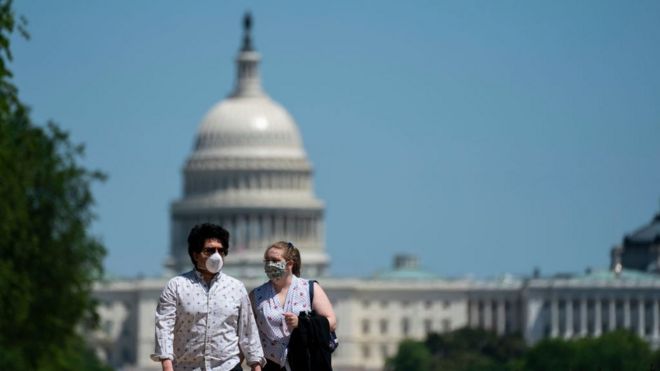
point(275, 270)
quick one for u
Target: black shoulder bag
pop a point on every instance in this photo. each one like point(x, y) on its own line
point(334, 342)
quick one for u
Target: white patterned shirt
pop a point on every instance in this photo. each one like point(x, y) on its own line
point(273, 330)
point(206, 326)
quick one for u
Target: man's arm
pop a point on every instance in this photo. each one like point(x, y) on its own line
point(165, 320)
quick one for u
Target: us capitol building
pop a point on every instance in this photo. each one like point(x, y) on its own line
point(249, 172)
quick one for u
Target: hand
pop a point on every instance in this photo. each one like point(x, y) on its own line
point(291, 320)
point(167, 365)
point(255, 367)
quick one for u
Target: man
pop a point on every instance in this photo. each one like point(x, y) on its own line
point(204, 318)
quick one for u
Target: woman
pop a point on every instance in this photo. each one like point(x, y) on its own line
point(278, 302)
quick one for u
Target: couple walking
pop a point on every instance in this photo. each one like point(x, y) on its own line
point(205, 319)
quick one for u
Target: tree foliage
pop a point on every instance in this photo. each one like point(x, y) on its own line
point(617, 350)
point(412, 355)
point(48, 260)
point(479, 350)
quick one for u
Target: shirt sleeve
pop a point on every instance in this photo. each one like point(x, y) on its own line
point(248, 334)
point(165, 320)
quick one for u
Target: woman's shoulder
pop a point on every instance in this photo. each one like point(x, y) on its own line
point(303, 281)
point(260, 290)
point(263, 286)
point(302, 284)
point(306, 282)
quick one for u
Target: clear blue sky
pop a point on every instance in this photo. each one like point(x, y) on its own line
point(483, 136)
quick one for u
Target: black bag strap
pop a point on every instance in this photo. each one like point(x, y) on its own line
point(311, 293)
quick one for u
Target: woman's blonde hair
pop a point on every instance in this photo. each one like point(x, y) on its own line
point(290, 253)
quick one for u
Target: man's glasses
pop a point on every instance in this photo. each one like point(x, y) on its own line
point(208, 251)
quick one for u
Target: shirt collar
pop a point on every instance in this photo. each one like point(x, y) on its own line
point(199, 276)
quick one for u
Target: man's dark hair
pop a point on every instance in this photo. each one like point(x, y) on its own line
point(207, 231)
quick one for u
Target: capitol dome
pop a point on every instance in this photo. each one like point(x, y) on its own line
point(249, 172)
point(248, 126)
point(253, 126)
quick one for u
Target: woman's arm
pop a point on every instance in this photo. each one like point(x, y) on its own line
point(323, 306)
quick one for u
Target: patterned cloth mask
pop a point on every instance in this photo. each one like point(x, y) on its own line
point(275, 270)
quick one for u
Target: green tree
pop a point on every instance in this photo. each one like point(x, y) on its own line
point(480, 350)
point(474, 349)
point(462, 349)
point(550, 355)
point(617, 350)
point(655, 360)
point(48, 260)
point(411, 356)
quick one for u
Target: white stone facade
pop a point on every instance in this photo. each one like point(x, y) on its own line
point(580, 307)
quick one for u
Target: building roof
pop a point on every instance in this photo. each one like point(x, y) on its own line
point(405, 274)
point(645, 235)
point(405, 267)
point(625, 275)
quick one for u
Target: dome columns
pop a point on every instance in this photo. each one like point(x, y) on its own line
point(253, 230)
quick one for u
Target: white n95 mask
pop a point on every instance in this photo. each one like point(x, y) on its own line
point(214, 263)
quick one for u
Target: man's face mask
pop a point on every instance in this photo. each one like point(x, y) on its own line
point(214, 263)
point(275, 270)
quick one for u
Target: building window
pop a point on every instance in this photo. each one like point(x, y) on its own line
point(366, 353)
point(428, 304)
point(446, 304)
point(383, 304)
point(428, 326)
point(365, 326)
point(383, 326)
point(383, 351)
point(405, 326)
point(127, 354)
point(446, 325)
point(365, 303)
